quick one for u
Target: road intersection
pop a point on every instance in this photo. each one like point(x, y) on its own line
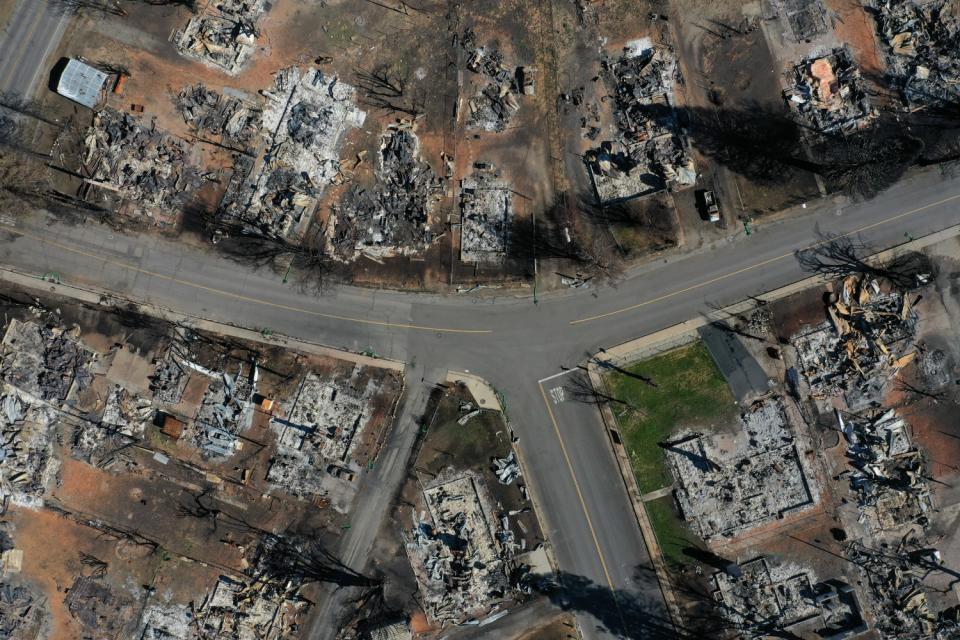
point(508, 340)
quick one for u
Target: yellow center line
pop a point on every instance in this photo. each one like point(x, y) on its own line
point(583, 503)
point(762, 263)
point(239, 296)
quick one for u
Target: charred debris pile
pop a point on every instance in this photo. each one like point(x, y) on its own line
point(497, 102)
point(393, 216)
point(650, 153)
point(922, 41)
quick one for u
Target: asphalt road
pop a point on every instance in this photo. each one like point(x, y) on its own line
point(30, 36)
point(509, 341)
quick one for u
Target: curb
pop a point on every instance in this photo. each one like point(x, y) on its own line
point(636, 501)
point(680, 334)
point(481, 390)
point(106, 299)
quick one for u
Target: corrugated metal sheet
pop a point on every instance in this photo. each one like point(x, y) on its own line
point(81, 83)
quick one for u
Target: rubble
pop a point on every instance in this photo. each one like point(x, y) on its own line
point(224, 34)
point(167, 622)
point(28, 466)
point(124, 420)
point(507, 469)
point(207, 111)
point(393, 218)
point(23, 612)
point(486, 211)
point(760, 596)
point(169, 378)
point(726, 486)
point(99, 608)
point(457, 560)
point(650, 154)
point(856, 353)
point(807, 19)
point(226, 411)
point(243, 610)
point(889, 477)
point(494, 104)
point(322, 426)
point(922, 39)
point(304, 120)
point(42, 361)
point(827, 94)
point(142, 164)
point(895, 577)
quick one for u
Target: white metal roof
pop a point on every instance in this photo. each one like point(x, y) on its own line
point(81, 83)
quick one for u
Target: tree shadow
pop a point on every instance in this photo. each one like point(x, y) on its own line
point(619, 613)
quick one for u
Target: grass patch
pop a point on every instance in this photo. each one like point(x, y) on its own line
point(671, 533)
point(468, 446)
point(690, 392)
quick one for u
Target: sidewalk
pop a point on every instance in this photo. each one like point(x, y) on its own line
point(479, 388)
point(105, 299)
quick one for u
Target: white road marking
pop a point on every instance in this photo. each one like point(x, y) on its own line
point(556, 375)
point(557, 394)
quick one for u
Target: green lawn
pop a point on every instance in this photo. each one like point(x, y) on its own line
point(671, 533)
point(690, 392)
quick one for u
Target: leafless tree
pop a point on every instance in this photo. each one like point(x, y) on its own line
point(115, 7)
point(593, 256)
point(113, 68)
point(22, 181)
point(97, 566)
point(286, 559)
point(109, 7)
point(26, 106)
point(385, 89)
point(867, 162)
point(838, 257)
point(307, 261)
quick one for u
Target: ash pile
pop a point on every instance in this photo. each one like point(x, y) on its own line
point(224, 34)
point(486, 211)
point(827, 94)
point(150, 167)
point(496, 103)
point(23, 612)
point(922, 40)
point(318, 437)
point(28, 466)
point(44, 362)
point(458, 552)
point(758, 594)
point(393, 217)
point(900, 597)
point(207, 112)
point(124, 420)
point(762, 596)
point(651, 152)
point(806, 19)
point(727, 486)
point(867, 340)
point(304, 121)
point(236, 608)
point(889, 475)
